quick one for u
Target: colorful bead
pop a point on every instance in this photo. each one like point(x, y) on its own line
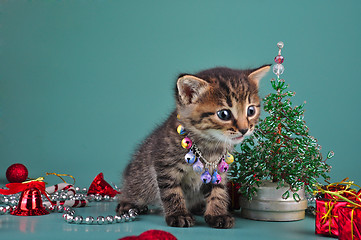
point(198, 166)
point(181, 130)
point(190, 157)
point(229, 158)
point(216, 178)
point(206, 177)
point(279, 59)
point(186, 143)
point(223, 166)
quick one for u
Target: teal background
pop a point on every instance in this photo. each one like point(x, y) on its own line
point(83, 82)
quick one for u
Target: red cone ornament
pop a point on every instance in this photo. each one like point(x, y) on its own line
point(30, 204)
point(101, 187)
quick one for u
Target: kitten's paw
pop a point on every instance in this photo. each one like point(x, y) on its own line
point(180, 220)
point(220, 221)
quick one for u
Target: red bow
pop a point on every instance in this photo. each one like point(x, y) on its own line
point(20, 187)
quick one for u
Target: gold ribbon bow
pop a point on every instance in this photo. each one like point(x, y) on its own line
point(61, 175)
point(345, 188)
point(39, 179)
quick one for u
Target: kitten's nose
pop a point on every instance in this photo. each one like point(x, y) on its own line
point(243, 131)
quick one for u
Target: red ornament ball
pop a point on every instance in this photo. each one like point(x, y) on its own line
point(17, 173)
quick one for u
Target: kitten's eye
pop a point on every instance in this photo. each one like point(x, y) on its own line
point(251, 111)
point(224, 114)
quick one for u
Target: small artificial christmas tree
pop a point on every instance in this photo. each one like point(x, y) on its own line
point(281, 149)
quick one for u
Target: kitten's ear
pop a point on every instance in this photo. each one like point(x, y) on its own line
point(257, 74)
point(190, 88)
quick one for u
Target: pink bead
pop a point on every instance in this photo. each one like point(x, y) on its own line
point(186, 143)
point(223, 166)
point(279, 59)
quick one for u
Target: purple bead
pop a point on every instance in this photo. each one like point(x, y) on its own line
point(216, 178)
point(206, 177)
point(223, 166)
point(198, 166)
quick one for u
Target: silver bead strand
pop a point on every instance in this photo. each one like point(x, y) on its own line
point(69, 217)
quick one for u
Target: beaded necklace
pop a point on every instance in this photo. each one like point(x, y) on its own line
point(194, 157)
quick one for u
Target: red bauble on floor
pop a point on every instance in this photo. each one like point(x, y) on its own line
point(152, 235)
point(17, 173)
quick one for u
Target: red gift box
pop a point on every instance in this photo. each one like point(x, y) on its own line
point(349, 223)
point(338, 213)
point(327, 217)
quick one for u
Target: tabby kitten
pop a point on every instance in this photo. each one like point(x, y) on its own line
point(218, 108)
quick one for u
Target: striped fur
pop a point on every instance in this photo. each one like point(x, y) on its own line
point(158, 173)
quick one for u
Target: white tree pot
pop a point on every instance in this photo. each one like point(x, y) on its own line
point(268, 204)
